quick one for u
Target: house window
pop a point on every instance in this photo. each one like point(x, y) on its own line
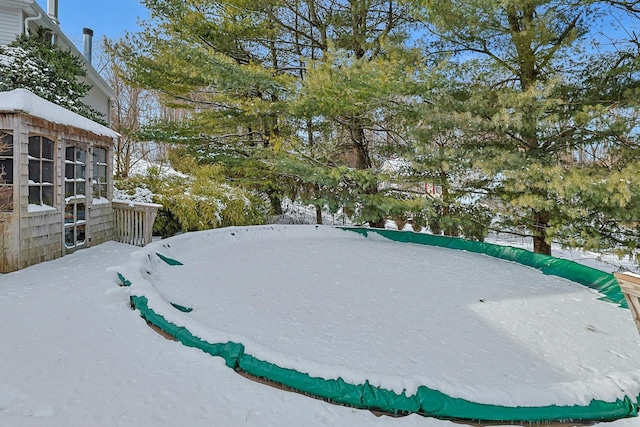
point(41, 167)
point(99, 180)
point(6, 172)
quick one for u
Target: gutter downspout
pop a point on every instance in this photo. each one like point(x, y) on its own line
point(29, 19)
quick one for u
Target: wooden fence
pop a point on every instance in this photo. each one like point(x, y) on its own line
point(630, 286)
point(134, 221)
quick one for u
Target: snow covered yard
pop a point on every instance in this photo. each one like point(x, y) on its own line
point(74, 354)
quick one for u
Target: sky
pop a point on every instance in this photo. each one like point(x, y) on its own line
point(110, 18)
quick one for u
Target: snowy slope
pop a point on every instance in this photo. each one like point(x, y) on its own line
point(74, 354)
point(396, 315)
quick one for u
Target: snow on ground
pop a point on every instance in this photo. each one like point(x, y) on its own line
point(397, 315)
point(74, 354)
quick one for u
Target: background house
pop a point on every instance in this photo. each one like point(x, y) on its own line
point(25, 16)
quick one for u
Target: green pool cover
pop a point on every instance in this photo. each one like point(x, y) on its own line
point(426, 401)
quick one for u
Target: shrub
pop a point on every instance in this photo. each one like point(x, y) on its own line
point(198, 202)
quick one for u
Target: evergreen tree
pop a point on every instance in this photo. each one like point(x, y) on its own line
point(521, 63)
point(34, 63)
point(239, 66)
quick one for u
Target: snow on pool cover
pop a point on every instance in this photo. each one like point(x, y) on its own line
point(483, 334)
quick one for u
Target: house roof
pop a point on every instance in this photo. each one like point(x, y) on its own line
point(33, 9)
point(22, 101)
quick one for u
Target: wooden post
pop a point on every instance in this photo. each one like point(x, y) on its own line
point(630, 285)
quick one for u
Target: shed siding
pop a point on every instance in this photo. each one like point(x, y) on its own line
point(28, 238)
point(101, 223)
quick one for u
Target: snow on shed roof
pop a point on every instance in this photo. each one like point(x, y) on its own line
point(24, 101)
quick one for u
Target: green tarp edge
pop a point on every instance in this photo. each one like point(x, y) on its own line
point(168, 260)
point(604, 283)
point(426, 401)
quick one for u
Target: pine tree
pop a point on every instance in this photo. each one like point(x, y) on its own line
point(521, 63)
point(239, 66)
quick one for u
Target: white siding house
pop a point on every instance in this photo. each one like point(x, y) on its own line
point(19, 16)
point(10, 22)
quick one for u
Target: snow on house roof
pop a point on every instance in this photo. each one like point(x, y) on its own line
point(24, 101)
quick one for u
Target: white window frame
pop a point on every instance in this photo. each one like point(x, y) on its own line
point(6, 176)
point(38, 164)
point(98, 187)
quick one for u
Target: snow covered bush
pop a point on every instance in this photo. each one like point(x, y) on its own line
point(200, 201)
point(34, 63)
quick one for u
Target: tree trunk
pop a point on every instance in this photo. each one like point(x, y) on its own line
point(540, 226)
point(318, 215)
point(378, 223)
point(363, 161)
point(450, 229)
point(276, 202)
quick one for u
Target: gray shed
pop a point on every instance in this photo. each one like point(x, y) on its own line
point(56, 186)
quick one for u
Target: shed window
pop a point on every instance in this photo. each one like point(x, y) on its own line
point(99, 180)
point(75, 211)
point(6, 172)
point(74, 172)
point(41, 169)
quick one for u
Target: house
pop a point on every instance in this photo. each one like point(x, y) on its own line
point(57, 181)
point(26, 16)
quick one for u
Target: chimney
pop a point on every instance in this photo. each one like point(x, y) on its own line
point(88, 42)
point(52, 11)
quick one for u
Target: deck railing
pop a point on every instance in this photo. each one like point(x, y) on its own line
point(134, 221)
point(630, 286)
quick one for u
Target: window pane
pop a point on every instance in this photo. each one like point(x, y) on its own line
point(6, 198)
point(6, 171)
point(7, 139)
point(80, 171)
point(80, 188)
point(80, 155)
point(47, 148)
point(34, 195)
point(99, 190)
point(34, 170)
point(80, 234)
point(68, 189)
point(68, 214)
point(102, 174)
point(34, 146)
point(69, 237)
point(47, 172)
point(80, 212)
point(47, 195)
point(68, 171)
point(102, 155)
point(69, 154)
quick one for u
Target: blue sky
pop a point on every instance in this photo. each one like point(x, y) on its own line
point(105, 17)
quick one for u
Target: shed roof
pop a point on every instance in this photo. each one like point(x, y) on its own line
point(24, 101)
